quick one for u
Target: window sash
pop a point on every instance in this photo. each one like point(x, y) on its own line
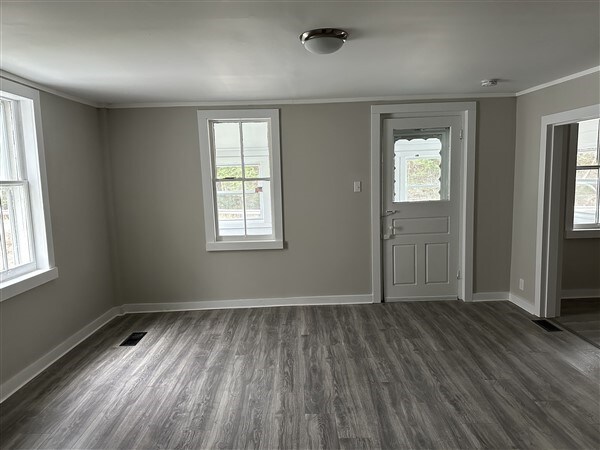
point(596, 223)
point(256, 153)
point(573, 229)
point(12, 140)
point(12, 157)
point(243, 179)
point(23, 244)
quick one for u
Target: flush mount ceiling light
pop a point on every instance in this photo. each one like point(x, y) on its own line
point(489, 83)
point(322, 41)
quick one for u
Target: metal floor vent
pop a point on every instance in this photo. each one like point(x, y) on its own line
point(133, 339)
point(548, 326)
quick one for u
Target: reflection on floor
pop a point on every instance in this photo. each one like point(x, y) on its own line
point(582, 317)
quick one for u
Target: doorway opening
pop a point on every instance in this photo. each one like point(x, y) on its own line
point(568, 209)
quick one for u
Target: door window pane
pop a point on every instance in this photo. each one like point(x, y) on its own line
point(586, 197)
point(423, 175)
point(421, 167)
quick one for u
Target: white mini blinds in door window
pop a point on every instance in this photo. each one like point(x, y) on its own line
point(241, 179)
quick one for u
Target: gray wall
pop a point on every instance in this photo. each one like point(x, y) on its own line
point(35, 322)
point(160, 225)
point(494, 179)
point(531, 107)
point(581, 264)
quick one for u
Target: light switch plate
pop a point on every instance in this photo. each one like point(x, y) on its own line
point(357, 186)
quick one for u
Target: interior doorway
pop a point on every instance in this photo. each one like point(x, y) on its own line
point(560, 214)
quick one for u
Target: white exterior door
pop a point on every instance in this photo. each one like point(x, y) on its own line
point(420, 207)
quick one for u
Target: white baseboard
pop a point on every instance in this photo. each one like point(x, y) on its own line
point(490, 296)
point(422, 299)
point(580, 293)
point(247, 303)
point(522, 303)
point(17, 381)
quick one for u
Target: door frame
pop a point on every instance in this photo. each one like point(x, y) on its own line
point(548, 248)
point(468, 113)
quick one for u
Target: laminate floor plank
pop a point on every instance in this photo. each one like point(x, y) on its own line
point(582, 317)
point(402, 376)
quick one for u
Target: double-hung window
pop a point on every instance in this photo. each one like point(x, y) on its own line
point(241, 179)
point(26, 254)
point(583, 181)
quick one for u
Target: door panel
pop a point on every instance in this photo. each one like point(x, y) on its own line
point(405, 263)
point(436, 263)
point(420, 207)
point(425, 225)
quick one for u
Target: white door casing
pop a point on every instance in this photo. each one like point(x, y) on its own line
point(420, 222)
point(467, 112)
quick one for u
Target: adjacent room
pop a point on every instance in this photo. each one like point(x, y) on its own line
point(299, 224)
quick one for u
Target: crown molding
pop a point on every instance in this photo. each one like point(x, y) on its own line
point(25, 82)
point(308, 101)
point(573, 76)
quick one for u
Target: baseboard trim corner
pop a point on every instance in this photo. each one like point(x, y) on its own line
point(17, 381)
point(247, 303)
point(522, 303)
point(490, 296)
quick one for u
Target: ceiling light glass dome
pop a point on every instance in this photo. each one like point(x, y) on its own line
point(322, 41)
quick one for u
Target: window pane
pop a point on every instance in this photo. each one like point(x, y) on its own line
point(586, 197)
point(587, 143)
point(256, 149)
point(418, 169)
point(230, 208)
point(258, 208)
point(9, 156)
point(228, 152)
point(229, 172)
point(16, 222)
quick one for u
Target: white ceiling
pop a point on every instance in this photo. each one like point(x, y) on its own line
point(138, 51)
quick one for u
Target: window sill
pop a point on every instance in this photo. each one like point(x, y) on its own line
point(590, 233)
point(243, 245)
point(26, 282)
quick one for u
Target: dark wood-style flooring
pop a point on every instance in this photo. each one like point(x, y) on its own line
point(397, 376)
point(581, 316)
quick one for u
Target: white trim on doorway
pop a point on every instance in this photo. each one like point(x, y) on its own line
point(548, 238)
point(468, 112)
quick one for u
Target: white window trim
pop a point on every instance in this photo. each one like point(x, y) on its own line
point(574, 231)
point(44, 269)
point(210, 223)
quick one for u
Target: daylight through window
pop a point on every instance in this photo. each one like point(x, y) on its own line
point(586, 201)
